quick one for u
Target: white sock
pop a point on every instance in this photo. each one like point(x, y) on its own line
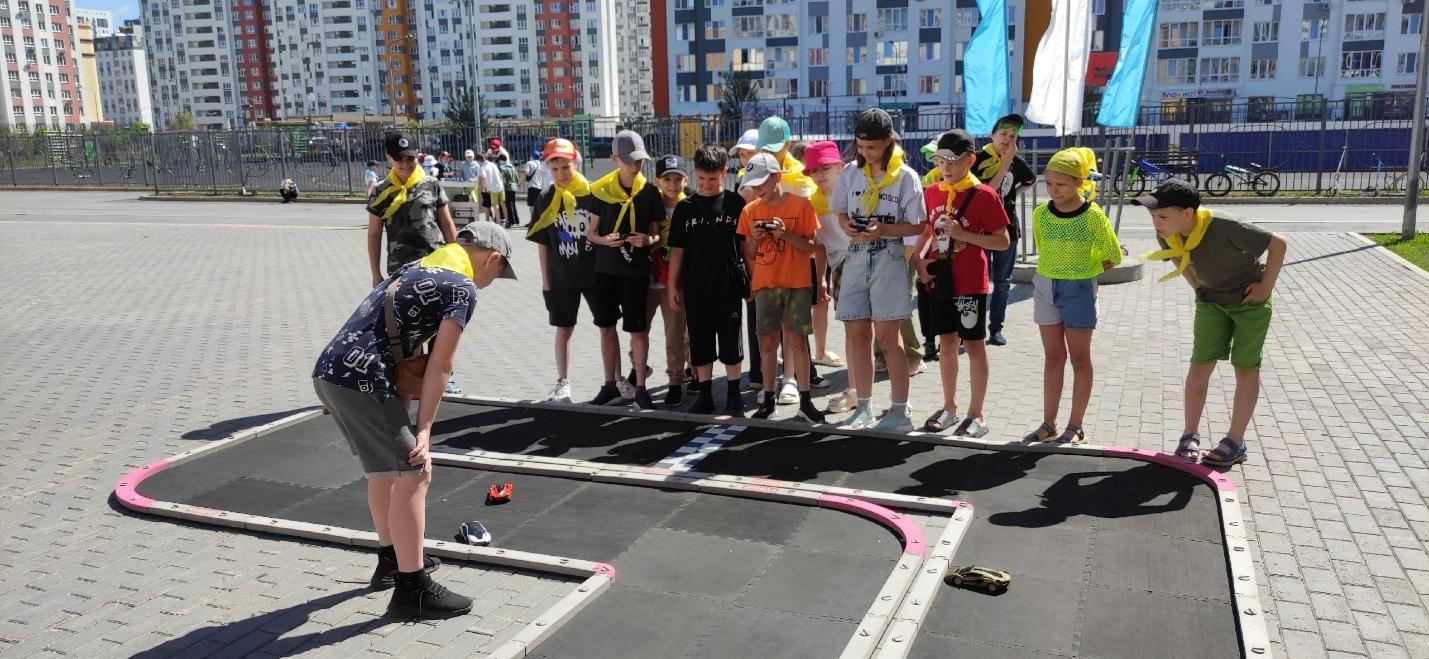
point(865, 405)
point(898, 409)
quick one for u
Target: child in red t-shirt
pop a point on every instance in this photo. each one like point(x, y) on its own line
point(965, 218)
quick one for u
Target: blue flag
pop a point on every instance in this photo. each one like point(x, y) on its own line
point(985, 80)
point(1122, 97)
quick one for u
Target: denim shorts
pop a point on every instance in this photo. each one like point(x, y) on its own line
point(875, 282)
point(1068, 302)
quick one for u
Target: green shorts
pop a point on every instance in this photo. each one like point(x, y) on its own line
point(1230, 331)
point(790, 309)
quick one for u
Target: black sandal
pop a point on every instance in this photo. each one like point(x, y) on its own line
point(1044, 433)
point(1189, 447)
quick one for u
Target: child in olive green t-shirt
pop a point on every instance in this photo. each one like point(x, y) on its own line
point(1220, 256)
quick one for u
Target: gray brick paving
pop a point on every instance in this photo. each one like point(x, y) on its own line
point(132, 324)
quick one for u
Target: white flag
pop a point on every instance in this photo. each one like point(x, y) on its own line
point(1059, 71)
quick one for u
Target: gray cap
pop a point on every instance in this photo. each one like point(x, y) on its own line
point(759, 169)
point(629, 147)
point(492, 237)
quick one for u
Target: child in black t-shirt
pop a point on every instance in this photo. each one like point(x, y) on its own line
point(708, 278)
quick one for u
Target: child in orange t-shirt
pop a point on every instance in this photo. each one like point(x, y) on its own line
point(779, 230)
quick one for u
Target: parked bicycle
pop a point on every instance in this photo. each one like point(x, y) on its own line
point(1263, 180)
point(1145, 175)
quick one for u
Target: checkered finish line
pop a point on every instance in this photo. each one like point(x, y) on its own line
point(709, 441)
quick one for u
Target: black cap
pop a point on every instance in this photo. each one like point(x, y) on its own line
point(399, 146)
point(667, 164)
point(1015, 120)
point(1172, 193)
point(373, 163)
point(873, 124)
point(954, 144)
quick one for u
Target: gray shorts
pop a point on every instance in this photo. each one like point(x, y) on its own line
point(377, 429)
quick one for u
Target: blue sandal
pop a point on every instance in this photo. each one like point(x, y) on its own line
point(1226, 454)
point(1189, 447)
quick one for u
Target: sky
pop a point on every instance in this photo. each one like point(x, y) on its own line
point(123, 9)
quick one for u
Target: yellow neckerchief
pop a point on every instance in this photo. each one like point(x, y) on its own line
point(397, 192)
point(793, 175)
point(563, 201)
point(968, 182)
point(890, 175)
point(739, 174)
point(665, 228)
point(609, 190)
point(1178, 249)
point(450, 256)
point(993, 161)
point(820, 202)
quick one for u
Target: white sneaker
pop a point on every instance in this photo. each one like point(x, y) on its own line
point(627, 390)
point(561, 393)
point(788, 394)
point(859, 419)
point(845, 402)
point(915, 370)
point(895, 422)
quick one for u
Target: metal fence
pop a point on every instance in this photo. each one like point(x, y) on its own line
point(1355, 147)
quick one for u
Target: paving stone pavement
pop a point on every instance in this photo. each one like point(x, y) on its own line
point(133, 330)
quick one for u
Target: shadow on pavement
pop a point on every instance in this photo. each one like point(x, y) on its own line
point(239, 637)
point(1114, 494)
point(226, 428)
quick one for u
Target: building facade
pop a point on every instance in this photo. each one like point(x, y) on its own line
point(91, 111)
point(41, 65)
point(102, 21)
point(595, 58)
point(192, 59)
point(124, 78)
point(321, 57)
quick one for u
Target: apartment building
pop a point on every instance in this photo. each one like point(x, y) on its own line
point(102, 21)
point(594, 58)
point(124, 77)
point(41, 65)
point(192, 56)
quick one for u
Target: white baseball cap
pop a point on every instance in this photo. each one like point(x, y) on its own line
point(749, 140)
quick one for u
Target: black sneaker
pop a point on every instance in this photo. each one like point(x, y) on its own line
point(808, 412)
point(766, 406)
point(674, 395)
point(642, 399)
point(631, 376)
point(607, 394)
point(704, 404)
point(930, 354)
point(819, 382)
point(997, 339)
point(385, 576)
point(426, 600)
point(734, 406)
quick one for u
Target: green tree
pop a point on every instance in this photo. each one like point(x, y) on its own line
point(737, 90)
point(182, 121)
point(139, 127)
point(462, 106)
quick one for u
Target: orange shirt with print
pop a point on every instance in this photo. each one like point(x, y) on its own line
point(777, 264)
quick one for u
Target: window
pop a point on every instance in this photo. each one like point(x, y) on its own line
point(858, 54)
point(1179, 35)
point(819, 24)
point(818, 88)
point(782, 25)
point(1220, 33)
point(748, 59)
point(1360, 64)
point(714, 30)
point(749, 27)
point(1262, 69)
point(930, 51)
point(893, 85)
point(1312, 67)
point(895, 19)
point(1407, 63)
point(930, 18)
point(892, 53)
point(1364, 26)
point(1266, 32)
point(1176, 71)
point(683, 32)
point(966, 17)
point(818, 57)
point(858, 22)
point(1220, 69)
point(685, 63)
point(1409, 24)
point(858, 86)
point(1312, 29)
point(929, 84)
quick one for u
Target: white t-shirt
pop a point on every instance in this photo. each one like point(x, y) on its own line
point(831, 235)
point(899, 203)
point(541, 179)
point(491, 177)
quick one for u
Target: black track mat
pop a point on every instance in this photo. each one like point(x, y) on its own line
point(691, 567)
point(1110, 557)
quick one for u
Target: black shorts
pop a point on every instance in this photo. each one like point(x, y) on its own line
point(531, 195)
point(620, 298)
point(563, 305)
point(964, 315)
point(486, 200)
point(716, 329)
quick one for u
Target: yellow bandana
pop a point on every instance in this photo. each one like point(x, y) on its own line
point(1178, 249)
point(953, 189)
point(450, 256)
point(793, 175)
point(820, 202)
point(397, 192)
point(993, 161)
point(609, 190)
point(1077, 162)
point(564, 201)
point(895, 167)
